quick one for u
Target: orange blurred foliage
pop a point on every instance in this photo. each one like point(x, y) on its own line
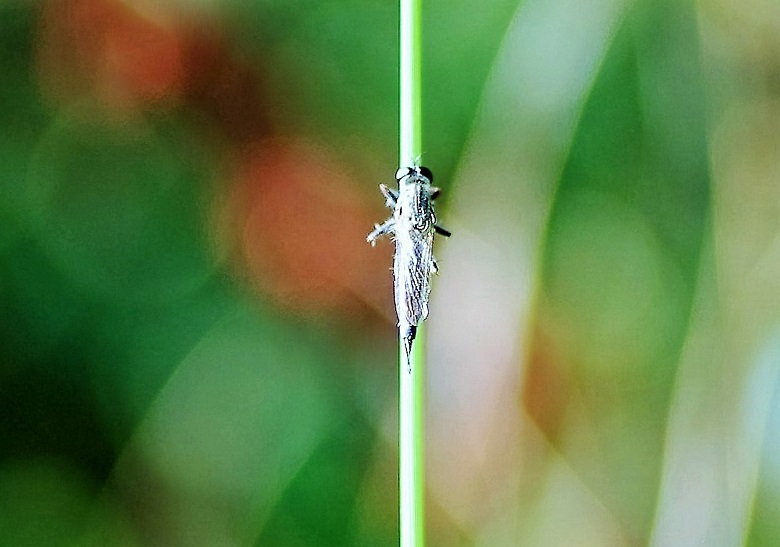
point(304, 229)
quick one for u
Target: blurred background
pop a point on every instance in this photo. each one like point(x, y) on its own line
point(198, 347)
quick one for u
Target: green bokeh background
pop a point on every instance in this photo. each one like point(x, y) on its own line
point(197, 347)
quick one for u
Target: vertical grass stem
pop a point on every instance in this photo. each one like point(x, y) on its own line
point(411, 454)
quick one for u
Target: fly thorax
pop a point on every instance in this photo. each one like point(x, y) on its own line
point(415, 208)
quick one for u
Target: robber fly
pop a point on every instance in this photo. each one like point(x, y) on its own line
point(412, 226)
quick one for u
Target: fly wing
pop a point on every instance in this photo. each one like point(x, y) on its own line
point(414, 230)
point(413, 268)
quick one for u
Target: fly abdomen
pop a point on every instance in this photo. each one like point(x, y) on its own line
point(408, 334)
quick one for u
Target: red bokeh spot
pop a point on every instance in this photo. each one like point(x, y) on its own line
point(124, 56)
point(304, 234)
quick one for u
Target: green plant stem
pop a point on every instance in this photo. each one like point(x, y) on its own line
point(411, 454)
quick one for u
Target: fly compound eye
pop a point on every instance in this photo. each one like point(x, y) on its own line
point(402, 173)
point(425, 172)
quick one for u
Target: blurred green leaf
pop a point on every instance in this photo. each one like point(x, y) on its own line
point(318, 507)
point(117, 208)
point(23, 115)
point(623, 250)
point(461, 41)
point(43, 504)
point(245, 409)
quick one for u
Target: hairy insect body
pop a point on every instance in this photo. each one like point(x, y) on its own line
point(413, 264)
point(412, 226)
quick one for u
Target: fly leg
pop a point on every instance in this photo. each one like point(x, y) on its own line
point(386, 228)
point(391, 196)
point(434, 192)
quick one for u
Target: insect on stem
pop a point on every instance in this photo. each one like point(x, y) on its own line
point(412, 225)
